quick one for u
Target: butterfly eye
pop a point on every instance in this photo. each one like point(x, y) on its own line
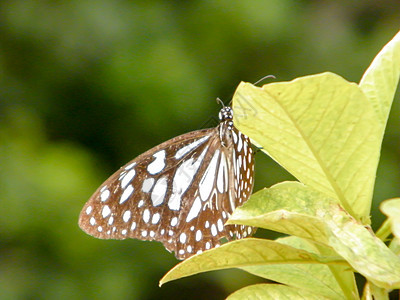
point(180, 193)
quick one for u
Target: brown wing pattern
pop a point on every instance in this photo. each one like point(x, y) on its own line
point(179, 193)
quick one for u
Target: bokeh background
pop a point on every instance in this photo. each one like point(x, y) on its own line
point(85, 86)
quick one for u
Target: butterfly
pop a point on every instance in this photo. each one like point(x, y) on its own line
point(180, 192)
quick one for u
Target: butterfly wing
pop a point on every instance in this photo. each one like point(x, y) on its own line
point(179, 193)
point(144, 178)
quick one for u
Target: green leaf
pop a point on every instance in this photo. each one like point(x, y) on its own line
point(391, 208)
point(273, 291)
point(366, 253)
point(380, 80)
point(320, 128)
point(317, 278)
point(362, 250)
point(293, 209)
point(287, 207)
point(245, 252)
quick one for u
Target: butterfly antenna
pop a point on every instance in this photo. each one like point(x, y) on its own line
point(262, 79)
point(221, 102)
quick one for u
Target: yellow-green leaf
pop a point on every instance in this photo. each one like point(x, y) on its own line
point(320, 128)
point(349, 238)
point(285, 208)
point(391, 208)
point(380, 80)
point(273, 291)
point(245, 252)
point(318, 278)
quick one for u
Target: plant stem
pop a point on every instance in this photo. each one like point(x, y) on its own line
point(384, 231)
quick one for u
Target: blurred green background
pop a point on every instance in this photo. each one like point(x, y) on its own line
point(85, 86)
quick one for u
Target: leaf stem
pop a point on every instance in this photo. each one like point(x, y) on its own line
point(384, 231)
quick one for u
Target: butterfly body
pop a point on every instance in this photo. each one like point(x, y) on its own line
point(180, 192)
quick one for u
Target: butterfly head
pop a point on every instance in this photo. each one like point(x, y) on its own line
point(226, 113)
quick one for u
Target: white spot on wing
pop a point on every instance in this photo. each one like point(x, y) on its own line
point(133, 226)
point(182, 238)
point(194, 210)
point(92, 221)
point(234, 136)
point(239, 162)
point(126, 216)
point(156, 218)
point(222, 178)
point(126, 194)
point(104, 195)
point(88, 210)
point(127, 178)
point(239, 144)
point(123, 173)
point(146, 215)
point(174, 221)
point(207, 182)
point(159, 190)
point(213, 230)
point(198, 235)
point(220, 225)
point(181, 152)
point(106, 211)
point(158, 164)
point(183, 177)
point(147, 184)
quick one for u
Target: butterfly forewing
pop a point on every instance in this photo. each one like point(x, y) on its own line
point(143, 183)
point(180, 193)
